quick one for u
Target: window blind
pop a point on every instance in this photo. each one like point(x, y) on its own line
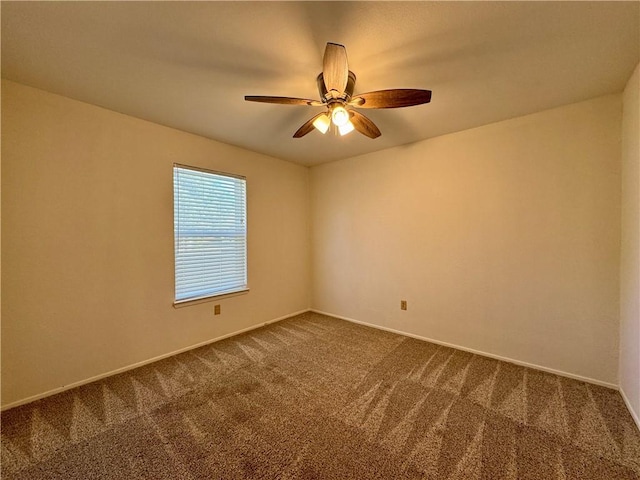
point(210, 233)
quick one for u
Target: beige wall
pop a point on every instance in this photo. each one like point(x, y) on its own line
point(503, 239)
point(630, 247)
point(87, 250)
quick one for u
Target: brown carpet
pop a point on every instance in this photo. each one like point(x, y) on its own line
point(313, 397)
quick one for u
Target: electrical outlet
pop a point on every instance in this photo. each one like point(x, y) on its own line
point(216, 309)
point(403, 304)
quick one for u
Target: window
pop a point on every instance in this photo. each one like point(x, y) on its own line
point(210, 233)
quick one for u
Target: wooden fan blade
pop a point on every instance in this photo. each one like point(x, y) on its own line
point(335, 68)
point(364, 125)
point(396, 98)
point(283, 100)
point(307, 126)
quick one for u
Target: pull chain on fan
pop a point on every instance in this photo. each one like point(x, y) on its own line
point(336, 85)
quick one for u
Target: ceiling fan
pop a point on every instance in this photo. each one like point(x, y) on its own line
point(336, 84)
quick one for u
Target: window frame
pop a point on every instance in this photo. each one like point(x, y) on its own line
point(241, 290)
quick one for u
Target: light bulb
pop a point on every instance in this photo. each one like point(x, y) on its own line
point(339, 116)
point(322, 123)
point(346, 128)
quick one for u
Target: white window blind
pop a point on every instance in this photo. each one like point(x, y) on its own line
point(210, 233)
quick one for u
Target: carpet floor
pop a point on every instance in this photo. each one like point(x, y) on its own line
point(314, 397)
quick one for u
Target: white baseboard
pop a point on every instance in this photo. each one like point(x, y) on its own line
point(142, 363)
point(253, 327)
point(477, 352)
point(633, 413)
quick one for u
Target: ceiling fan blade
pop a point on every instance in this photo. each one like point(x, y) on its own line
point(401, 97)
point(364, 125)
point(283, 100)
point(307, 126)
point(335, 68)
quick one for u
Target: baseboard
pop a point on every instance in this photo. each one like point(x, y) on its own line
point(142, 363)
point(477, 352)
point(633, 413)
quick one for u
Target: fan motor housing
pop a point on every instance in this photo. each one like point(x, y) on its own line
point(348, 91)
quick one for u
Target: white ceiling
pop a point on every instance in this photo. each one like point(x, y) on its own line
point(188, 65)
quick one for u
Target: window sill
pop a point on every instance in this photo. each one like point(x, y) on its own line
point(210, 298)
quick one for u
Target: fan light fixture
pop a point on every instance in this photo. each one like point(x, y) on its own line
point(346, 128)
point(322, 123)
point(339, 116)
